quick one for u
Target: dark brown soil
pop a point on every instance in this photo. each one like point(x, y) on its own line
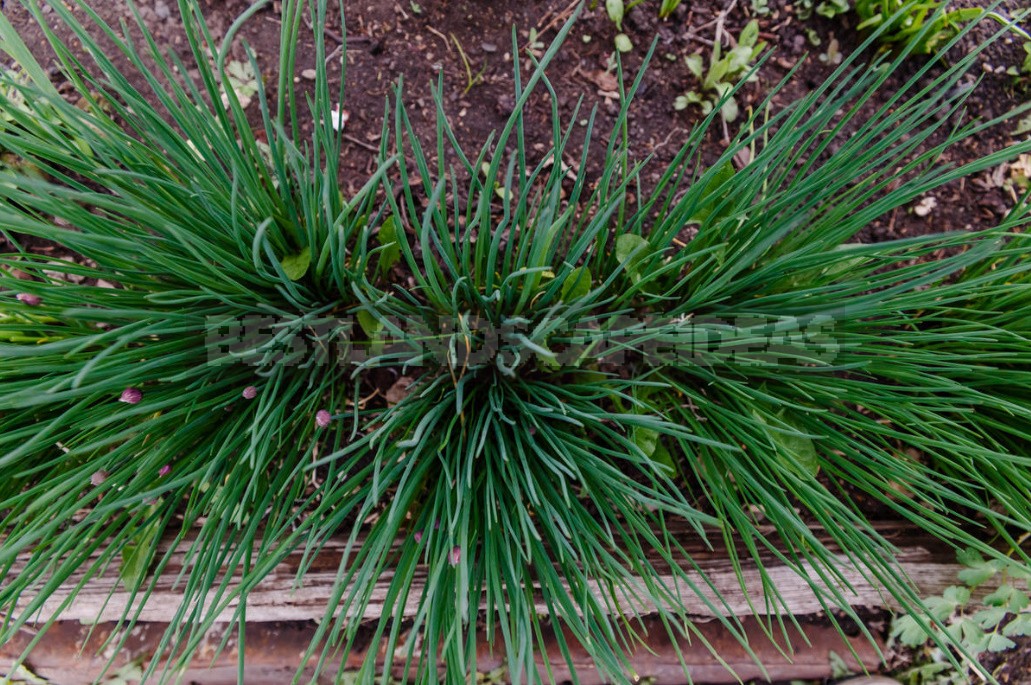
point(418, 42)
point(1012, 667)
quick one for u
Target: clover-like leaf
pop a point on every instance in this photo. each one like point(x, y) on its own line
point(944, 606)
point(908, 632)
point(989, 617)
point(1008, 597)
point(978, 570)
point(1018, 627)
point(242, 81)
point(998, 643)
point(969, 634)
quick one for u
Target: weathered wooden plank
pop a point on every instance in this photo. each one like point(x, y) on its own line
point(281, 614)
point(279, 596)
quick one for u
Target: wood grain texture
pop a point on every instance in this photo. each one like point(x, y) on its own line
point(280, 597)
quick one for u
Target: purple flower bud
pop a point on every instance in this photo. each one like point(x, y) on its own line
point(455, 555)
point(98, 478)
point(164, 470)
point(131, 396)
point(250, 392)
point(418, 536)
point(29, 299)
point(322, 418)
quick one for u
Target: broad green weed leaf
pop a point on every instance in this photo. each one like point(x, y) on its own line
point(296, 265)
point(716, 73)
point(943, 606)
point(688, 98)
point(695, 65)
point(729, 109)
point(630, 250)
point(969, 557)
point(369, 324)
point(650, 442)
point(615, 9)
point(646, 439)
point(663, 456)
point(796, 450)
point(590, 376)
point(749, 34)
point(577, 284)
point(129, 674)
point(709, 196)
point(137, 554)
point(391, 252)
point(739, 59)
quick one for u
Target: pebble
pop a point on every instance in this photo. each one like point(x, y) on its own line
point(309, 74)
point(161, 10)
point(488, 47)
point(61, 275)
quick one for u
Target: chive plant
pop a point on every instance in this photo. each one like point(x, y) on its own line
point(586, 386)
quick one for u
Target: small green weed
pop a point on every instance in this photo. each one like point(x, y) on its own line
point(1024, 70)
point(725, 72)
point(921, 25)
point(969, 627)
point(804, 9)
